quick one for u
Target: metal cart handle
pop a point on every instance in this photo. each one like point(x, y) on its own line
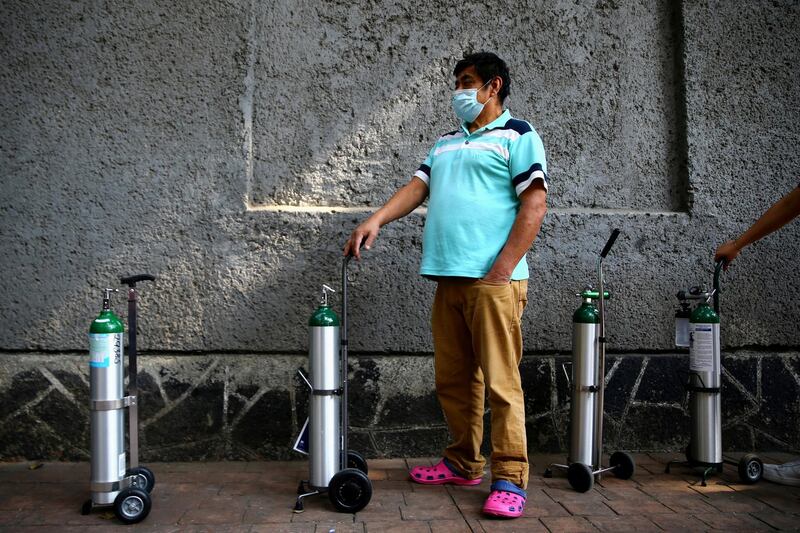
point(131, 281)
point(717, 271)
point(610, 243)
point(343, 351)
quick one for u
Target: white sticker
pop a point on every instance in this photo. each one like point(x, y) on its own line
point(101, 349)
point(682, 332)
point(122, 465)
point(701, 350)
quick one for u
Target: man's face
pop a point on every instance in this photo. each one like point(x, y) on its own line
point(469, 79)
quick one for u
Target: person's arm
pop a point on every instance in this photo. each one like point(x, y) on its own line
point(526, 226)
point(782, 212)
point(405, 200)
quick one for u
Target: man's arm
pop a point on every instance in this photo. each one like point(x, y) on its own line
point(526, 226)
point(405, 200)
point(783, 211)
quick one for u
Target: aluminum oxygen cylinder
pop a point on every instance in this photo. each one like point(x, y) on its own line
point(585, 345)
point(105, 383)
point(325, 413)
point(704, 386)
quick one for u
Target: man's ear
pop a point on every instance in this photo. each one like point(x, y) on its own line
point(497, 84)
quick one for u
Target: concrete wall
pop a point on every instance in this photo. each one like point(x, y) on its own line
point(229, 147)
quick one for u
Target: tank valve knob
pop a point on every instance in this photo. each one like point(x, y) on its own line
point(325, 290)
point(107, 298)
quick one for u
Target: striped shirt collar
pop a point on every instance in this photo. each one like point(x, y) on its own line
point(500, 121)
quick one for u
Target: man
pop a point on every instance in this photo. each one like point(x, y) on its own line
point(486, 185)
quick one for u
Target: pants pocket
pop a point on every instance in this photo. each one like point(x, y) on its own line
point(522, 299)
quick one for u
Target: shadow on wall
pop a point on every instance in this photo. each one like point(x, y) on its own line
point(357, 94)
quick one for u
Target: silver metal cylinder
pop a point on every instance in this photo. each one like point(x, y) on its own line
point(107, 426)
point(583, 400)
point(324, 439)
point(325, 414)
point(704, 406)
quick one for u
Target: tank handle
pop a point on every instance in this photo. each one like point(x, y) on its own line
point(131, 281)
point(610, 243)
point(593, 294)
point(717, 271)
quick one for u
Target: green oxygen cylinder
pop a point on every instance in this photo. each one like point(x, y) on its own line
point(704, 386)
point(325, 413)
point(106, 404)
point(585, 331)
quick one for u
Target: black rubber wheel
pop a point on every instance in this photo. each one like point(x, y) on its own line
point(357, 461)
point(548, 473)
point(350, 490)
point(623, 464)
point(132, 505)
point(686, 453)
point(751, 468)
point(86, 508)
point(580, 477)
point(143, 478)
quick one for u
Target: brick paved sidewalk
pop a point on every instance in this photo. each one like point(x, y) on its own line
point(259, 496)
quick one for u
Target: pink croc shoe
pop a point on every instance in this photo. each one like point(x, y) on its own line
point(506, 500)
point(439, 474)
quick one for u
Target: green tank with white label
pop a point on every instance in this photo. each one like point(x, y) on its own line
point(705, 447)
point(106, 385)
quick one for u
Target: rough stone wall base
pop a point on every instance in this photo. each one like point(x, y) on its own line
point(240, 407)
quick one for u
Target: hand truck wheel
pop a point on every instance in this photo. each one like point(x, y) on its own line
point(132, 505)
point(623, 464)
point(143, 478)
point(350, 490)
point(751, 468)
point(580, 477)
point(357, 461)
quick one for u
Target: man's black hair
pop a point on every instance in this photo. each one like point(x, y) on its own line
point(488, 66)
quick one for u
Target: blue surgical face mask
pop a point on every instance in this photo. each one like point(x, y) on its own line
point(466, 104)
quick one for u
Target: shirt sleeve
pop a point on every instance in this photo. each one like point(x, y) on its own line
point(527, 161)
point(424, 170)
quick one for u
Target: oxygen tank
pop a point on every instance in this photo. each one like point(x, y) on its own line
point(585, 336)
point(106, 386)
point(704, 386)
point(326, 396)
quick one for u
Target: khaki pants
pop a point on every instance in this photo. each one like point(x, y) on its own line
point(477, 350)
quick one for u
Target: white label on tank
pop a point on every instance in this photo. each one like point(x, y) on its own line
point(682, 332)
point(101, 349)
point(701, 348)
point(122, 465)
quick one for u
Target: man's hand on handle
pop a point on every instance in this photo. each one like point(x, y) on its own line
point(405, 200)
point(726, 252)
point(364, 235)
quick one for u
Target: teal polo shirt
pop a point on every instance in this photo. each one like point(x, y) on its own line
point(474, 181)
